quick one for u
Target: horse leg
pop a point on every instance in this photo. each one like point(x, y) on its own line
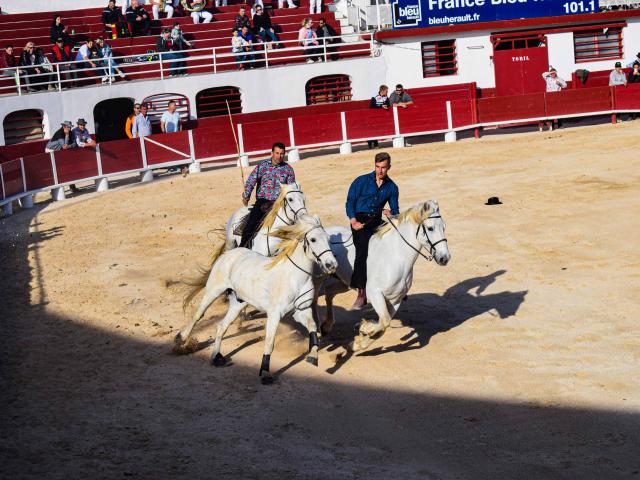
point(210, 294)
point(327, 325)
point(270, 337)
point(369, 332)
point(235, 307)
point(305, 317)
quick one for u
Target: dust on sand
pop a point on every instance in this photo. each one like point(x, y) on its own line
point(520, 359)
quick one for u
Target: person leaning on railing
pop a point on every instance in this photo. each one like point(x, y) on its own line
point(8, 62)
point(63, 139)
point(381, 100)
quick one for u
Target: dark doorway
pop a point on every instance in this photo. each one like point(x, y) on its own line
point(110, 117)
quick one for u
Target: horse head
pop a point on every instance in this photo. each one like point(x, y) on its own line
point(289, 204)
point(431, 232)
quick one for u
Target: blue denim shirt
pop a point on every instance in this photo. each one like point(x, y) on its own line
point(365, 196)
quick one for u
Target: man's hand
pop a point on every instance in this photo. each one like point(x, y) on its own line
point(65, 146)
point(385, 107)
point(403, 105)
point(245, 201)
point(356, 225)
point(387, 212)
point(138, 18)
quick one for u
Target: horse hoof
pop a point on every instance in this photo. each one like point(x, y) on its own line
point(312, 360)
point(266, 378)
point(219, 360)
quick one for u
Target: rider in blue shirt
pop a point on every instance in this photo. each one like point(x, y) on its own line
point(368, 195)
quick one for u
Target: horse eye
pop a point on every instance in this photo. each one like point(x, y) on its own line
point(430, 229)
point(290, 199)
point(313, 240)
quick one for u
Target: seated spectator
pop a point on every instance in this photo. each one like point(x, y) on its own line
point(81, 134)
point(169, 7)
point(114, 21)
point(141, 124)
point(61, 54)
point(554, 84)
point(138, 19)
point(202, 14)
point(104, 56)
point(224, 3)
point(400, 98)
point(241, 19)
point(63, 139)
point(8, 62)
point(309, 41)
point(46, 68)
point(315, 5)
point(129, 123)
point(247, 36)
point(238, 45)
point(381, 100)
point(262, 26)
point(617, 76)
point(86, 61)
point(59, 30)
point(28, 59)
point(323, 33)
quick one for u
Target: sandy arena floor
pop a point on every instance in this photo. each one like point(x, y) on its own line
point(519, 360)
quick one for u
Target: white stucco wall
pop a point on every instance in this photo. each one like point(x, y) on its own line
point(280, 87)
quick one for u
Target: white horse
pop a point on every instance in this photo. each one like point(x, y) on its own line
point(285, 210)
point(278, 286)
point(393, 250)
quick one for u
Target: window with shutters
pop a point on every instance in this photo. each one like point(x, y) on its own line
point(598, 44)
point(328, 88)
point(213, 101)
point(23, 126)
point(439, 58)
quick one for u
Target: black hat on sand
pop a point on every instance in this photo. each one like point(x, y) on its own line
point(493, 201)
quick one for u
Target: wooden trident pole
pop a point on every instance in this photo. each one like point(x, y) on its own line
point(233, 129)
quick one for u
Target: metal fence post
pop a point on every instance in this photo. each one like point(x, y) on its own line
point(213, 54)
point(161, 67)
point(243, 159)
point(109, 70)
point(324, 47)
point(18, 82)
point(266, 55)
point(58, 77)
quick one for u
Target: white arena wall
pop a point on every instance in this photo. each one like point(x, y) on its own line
point(27, 6)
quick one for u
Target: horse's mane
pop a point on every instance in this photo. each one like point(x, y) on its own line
point(290, 236)
point(416, 214)
point(277, 205)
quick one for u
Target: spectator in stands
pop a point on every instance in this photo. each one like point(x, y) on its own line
point(169, 7)
point(315, 4)
point(82, 135)
point(85, 57)
point(138, 19)
point(637, 59)
point(63, 139)
point(177, 37)
point(217, 3)
point(164, 45)
point(141, 124)
point(114, 21)
point(238, 45)
point(28, 59)
point(262, 26)
point(634, 74)
point(381, 100)
point(204, 14)
point(309, 40)
point(59, 30)
point(129, 123)
point(554, 84)
point(46, 68)
point(170, 120)
point(104, 56)
point(400, 98)
point(7, 62)
point(61, 54)
point(242, 20)
point(290, 4)
point(324, 32)
point(249, 56)
point(617, 76)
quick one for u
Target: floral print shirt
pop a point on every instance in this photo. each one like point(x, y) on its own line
point(268, 178)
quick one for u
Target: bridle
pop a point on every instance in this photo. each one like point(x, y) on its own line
point(290, 221)
point(432, 245)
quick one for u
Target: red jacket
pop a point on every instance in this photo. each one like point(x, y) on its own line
point(61, 54)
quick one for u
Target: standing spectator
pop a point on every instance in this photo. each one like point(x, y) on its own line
point(238, 45)
point(315, 4)
point(8, 62)
point(170, 120)
point(617, 76)
point(400, 97)
point(242, 20)
point(249, 56)
point(105, 58)
point(554, 84)
point(290, 4)
point(381, 100)
point(324, 34)
point(263, 27)
point(177, 37)
point(138, 19)
point(61, 54)
point(85, 59)
point(82, 135)
point(196, 16)
point(141, 124)
point(63, 139)
point(309, 40)
point(130, 119)
point(169, 7)
point(164, 45)
point(114, 21)
point(59, 30)
point(634, 74)
point(28, 59)
point(637, 59)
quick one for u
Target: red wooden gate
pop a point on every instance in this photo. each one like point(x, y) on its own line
point(519, 62)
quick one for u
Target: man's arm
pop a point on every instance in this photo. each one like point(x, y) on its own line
point(163, 126)
point(562, 83)
point(250, 184)
point(134, 127)
point(352, 197)
point(393, 201)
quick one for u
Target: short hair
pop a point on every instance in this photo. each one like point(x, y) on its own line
point(551, 70)
point(100, 39)
point(383, 156)
point(166, 30)
point(8, 46)
point(136, 105)
point(278, 145)
point(383, 87)
point(322, 19)
point(400, 86)
point(171, 101)
point(175, 24)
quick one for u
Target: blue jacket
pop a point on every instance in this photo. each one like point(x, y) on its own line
point(365, 196)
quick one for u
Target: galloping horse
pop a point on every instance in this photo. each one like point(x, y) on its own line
point(393, 251)
point(278, 286)
point(285, 210)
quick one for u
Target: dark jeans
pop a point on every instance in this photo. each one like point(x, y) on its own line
point(176, 68)
point(256, 215)
point(361, 243)
point(264, 34)
point(140, 28)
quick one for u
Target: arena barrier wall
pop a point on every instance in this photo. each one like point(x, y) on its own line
point(433, 113)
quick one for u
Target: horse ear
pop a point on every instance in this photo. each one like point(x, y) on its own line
point(425, 208)
point(434, 205)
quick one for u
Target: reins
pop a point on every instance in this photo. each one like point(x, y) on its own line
point(432, 246)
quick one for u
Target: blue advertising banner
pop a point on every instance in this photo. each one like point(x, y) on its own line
point(429, 13)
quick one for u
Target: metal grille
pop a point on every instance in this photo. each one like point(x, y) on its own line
point(439, 58)
point(598, 44)
point(157, 105)
point(328, 89)
point(212, 102)
point(23, 126)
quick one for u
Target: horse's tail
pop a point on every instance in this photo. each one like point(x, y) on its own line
point(198, 283)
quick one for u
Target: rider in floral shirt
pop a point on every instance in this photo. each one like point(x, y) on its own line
point(268, 175)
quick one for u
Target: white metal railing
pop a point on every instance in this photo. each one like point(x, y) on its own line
point(619, 3)
point(368, 15)
point(160, 65)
